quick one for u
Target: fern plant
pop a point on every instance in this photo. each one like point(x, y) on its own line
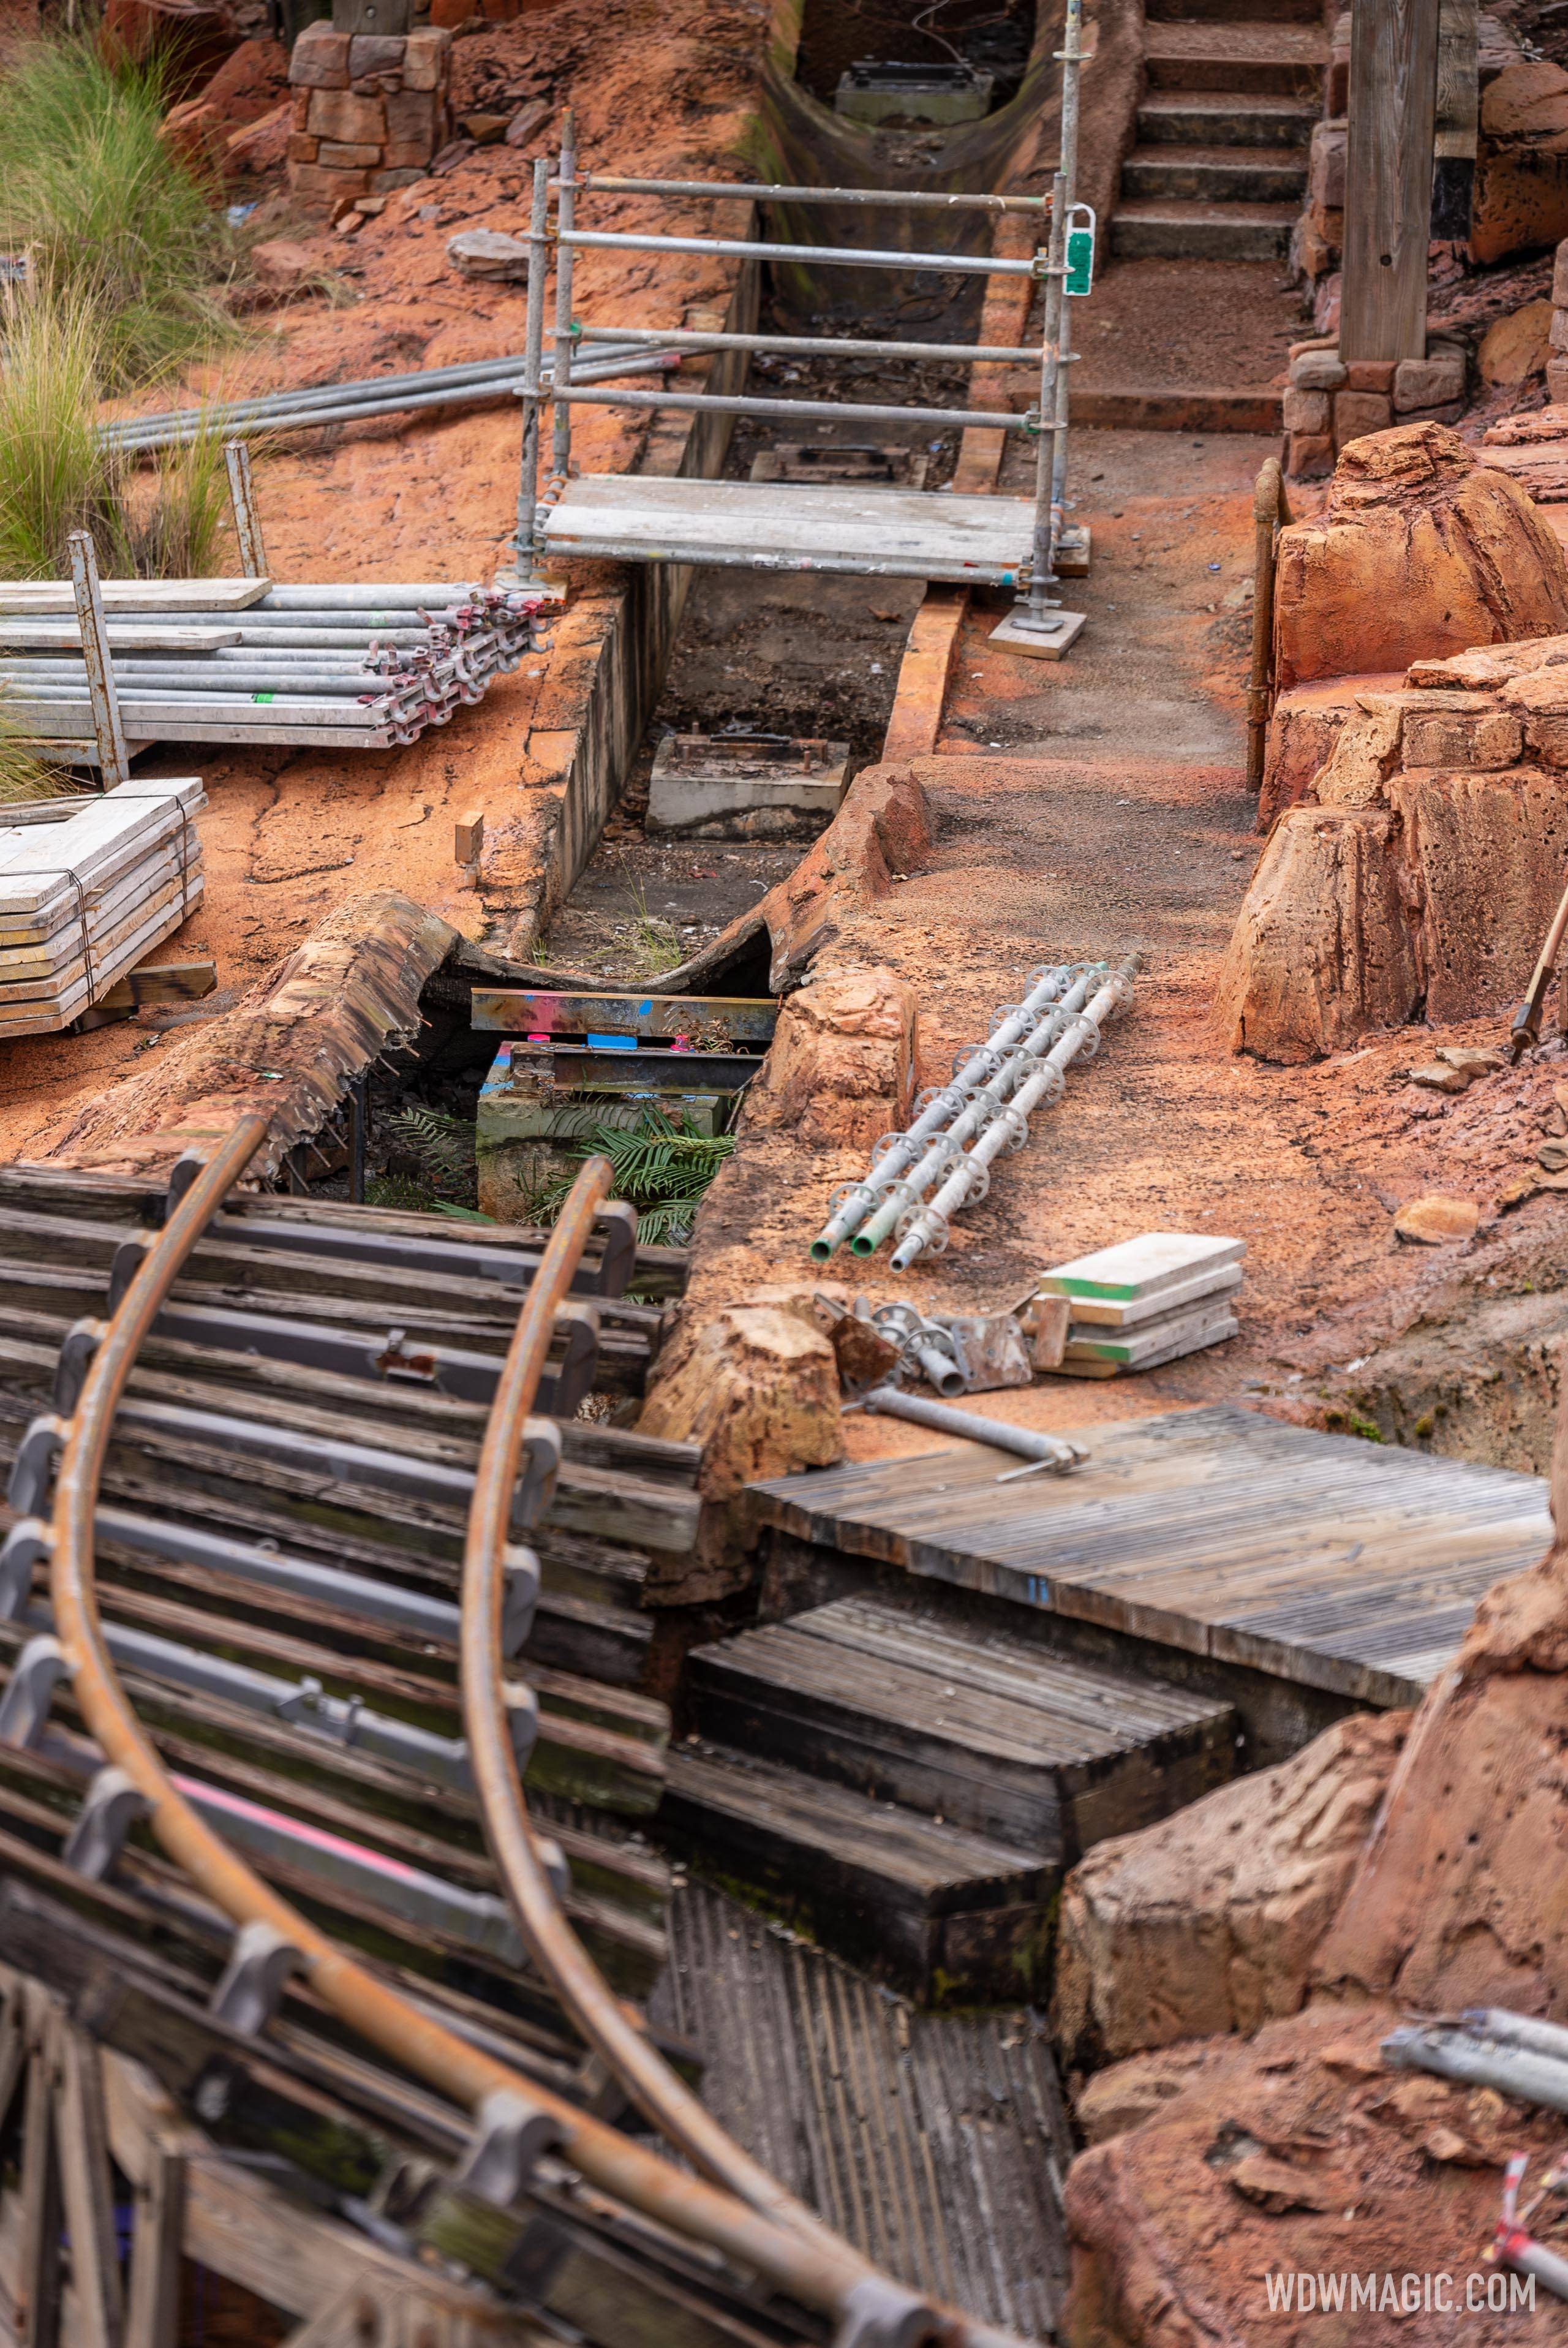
point(442, 1147)
point(661, 1169)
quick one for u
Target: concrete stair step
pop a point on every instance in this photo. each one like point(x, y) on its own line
point(1246, 175)
point(1263, 60)
point(981, 1729)
point(1218, 118)
point(1166, 229)
point(935, 1909)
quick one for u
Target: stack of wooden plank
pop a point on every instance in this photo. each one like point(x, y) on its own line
point(87, 889)
point(1147, 1300)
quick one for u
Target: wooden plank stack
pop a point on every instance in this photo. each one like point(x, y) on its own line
point(1147, 1300)
point(87, 889)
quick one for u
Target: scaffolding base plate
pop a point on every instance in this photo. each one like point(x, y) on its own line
point(1009, 635)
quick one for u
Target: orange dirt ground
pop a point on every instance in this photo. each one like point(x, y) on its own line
point(1098, 803)
point(657, 89)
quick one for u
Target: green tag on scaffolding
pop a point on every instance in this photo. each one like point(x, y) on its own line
point(1079, 278)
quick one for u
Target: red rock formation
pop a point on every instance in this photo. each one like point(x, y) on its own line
point(1419, 551)
point(756, 1385)
point(1223, 2163)
point(842, 1066)
point(1210, 1920)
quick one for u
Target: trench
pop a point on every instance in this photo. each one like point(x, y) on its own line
point(717, 650)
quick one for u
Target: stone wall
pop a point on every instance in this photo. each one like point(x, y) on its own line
point(1330, 401)
point(370, 111)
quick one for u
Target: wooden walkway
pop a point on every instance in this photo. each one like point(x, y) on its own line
point(1335, 1563)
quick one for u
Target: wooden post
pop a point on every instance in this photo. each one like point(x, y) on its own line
point(1388, 178)
point(1457, 112)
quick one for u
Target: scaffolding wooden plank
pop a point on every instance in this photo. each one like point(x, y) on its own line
point(761, 525)
point(38, 597)
point(65, 635)
point(1333, 1563)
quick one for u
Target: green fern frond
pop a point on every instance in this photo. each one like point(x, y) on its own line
point(444, 1147)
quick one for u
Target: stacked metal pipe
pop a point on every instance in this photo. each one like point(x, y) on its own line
point(477, 381)
point(1520, 2055)
point(343, 666)
point(962, 1125)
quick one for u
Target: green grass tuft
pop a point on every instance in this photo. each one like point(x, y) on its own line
point(113, 219)
point(56, 474)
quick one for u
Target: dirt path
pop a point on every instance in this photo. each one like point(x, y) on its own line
point(1086, 807)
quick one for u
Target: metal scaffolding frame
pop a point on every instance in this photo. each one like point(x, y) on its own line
point(571, 384)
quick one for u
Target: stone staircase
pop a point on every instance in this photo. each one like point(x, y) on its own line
point(907, 1785)
point(1233, 90)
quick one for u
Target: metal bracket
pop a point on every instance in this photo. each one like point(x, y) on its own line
point(32, 1469)
point(30, 1690)
point(553, 1860)
point(77, 1346)
point(510, 2135)
point(521, 1719)
point(27, 1544)
point(260, 1963)
point(520, 1597)
point(878, 2313)
point(181, 1174)
point(125, 1264)
point(114, 1803)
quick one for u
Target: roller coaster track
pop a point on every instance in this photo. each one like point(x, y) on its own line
point(800, 2273)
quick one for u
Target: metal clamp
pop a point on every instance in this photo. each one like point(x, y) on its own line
point(27, 1544)
point(114, 1803)
point(878, 2313)
point(251, 1990)
point(521, 1719)
point(520, 1598)
point(80, 1344)
point(125, 1265)
point(32, 1469)
point(510, 2136)
point(30, 1690)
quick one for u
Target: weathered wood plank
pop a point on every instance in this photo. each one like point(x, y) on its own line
point(1388, 178)
point(1345, 1566)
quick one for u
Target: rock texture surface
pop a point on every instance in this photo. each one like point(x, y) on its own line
point(287, 1049)
point(841, 1066)
point(1291, 2153)
point(756, 1385)
point(1221, 2163)
point(1420, 868)
point(1209, 1922)
point(1419, 551)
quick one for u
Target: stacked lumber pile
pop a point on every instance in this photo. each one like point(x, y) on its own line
point(1147, 1300)
point(86, 888)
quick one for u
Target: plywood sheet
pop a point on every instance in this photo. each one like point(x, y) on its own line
point(755, 525)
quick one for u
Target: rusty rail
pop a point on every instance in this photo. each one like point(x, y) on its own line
point(1271, 514)
point(613, 2031)
point(747, 2217)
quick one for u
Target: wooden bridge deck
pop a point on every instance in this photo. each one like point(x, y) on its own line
point(1335, 1563)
